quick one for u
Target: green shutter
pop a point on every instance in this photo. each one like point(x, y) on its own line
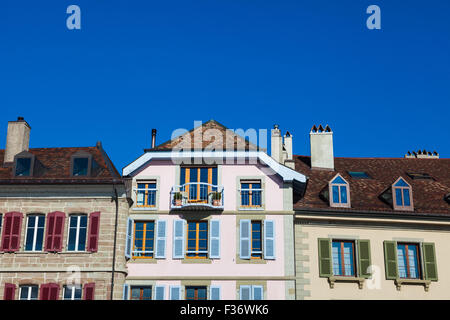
point(325, 258)
point(429, 261)
point(364, 258)
point(390, 259)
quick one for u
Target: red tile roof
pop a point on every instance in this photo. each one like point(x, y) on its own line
point(56, 163)
point(428, 195)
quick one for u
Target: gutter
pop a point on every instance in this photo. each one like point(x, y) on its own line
point(116, 200)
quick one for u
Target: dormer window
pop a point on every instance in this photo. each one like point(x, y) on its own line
point(402, 195)
point(80, 167)
point(339, 191)
point(23, 164)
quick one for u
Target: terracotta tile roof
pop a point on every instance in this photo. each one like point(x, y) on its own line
point(55, 165)
point(428, 194)
point(208, 131)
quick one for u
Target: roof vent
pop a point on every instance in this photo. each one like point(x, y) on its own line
point(422, 154)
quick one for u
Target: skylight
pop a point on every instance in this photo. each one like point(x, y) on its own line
point(419, 176)
point(359, 174)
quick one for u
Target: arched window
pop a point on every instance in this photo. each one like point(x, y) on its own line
point(339, 192)
point(402, 195)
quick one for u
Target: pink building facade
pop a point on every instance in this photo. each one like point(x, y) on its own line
point(210, 224)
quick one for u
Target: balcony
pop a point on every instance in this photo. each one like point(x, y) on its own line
point(197, 196)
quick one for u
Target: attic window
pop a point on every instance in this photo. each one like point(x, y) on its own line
point(23, 167)
point(402, 195)
point(447, 197)
point(80, 167)
point(419, 176)
point(359, 174)
point(339, 192)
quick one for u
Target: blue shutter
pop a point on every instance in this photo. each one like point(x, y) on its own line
point(175, 292)
point(214, 239)
point(159, 292)
point(129, 238)
point(214, 293)
point(257, 293)
point(269, 239)
point(178, 239)
point(245, 293)
point(245, 233)
point(126, 289)
point(160, 252)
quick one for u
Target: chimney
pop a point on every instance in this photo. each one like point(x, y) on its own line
point(276, 144)
point(321, 147)
point(17, 139)
point(153, 138)
point(422, 154)
point(289, 160)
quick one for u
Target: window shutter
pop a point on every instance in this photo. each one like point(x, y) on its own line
point(126, 289)
point(364, 258)
point(6, 235)
point(244, 243)
point(175, 293)
point(44, 291)
point(55, 231)
point(178, 239)
point(159, 292)
point(257, 293)
point(214, 239)
point(89, 291)
point(54, 291)
point(269, 239)
point(10, 291)
point(15, 231)
point(214, 293)
point(390, 259)
point(245, 293)
point(429, 261)
point(94, 228)
point(129, 238)
point(325, 263)
point(161, 231)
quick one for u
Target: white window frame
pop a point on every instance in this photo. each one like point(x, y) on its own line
point(28, 288)
point(77, 235)
point(72, 295)
point(35, 229)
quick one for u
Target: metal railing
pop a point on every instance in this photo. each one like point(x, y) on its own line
point(197, 194)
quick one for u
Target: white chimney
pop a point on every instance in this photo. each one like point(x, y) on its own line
point(17, 139)
point(276, 144)
point(289, 160)
point(322, 147)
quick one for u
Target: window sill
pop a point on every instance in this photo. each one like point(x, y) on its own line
point(333, 279)
point(251, 209)
point(250, 261)
point(400, 282)
point(193, 261)
point(145, 209)
point(139, 260)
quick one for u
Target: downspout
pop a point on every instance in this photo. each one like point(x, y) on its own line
point(116, 200)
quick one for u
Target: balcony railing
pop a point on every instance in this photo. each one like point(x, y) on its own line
point(145, 197)
point(197, 195)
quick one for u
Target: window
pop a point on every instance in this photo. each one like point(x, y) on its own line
point(339, 192)
point(72, 292)
point(251, 192)
point(359, 175)
point(402, 195)
point(343, 258)
point(144, 239)
point(199, 183)
point(146, 194)
point(195, 293)
point(80, 167)
point(23, 167)
point(197, 240)
point(251, 292)
point(35, 233)
point(77, 233)
point(256, 240)
point(408, 261)
point(141, 293)
point(29, 292)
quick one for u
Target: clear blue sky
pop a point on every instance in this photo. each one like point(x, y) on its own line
point(137, 65)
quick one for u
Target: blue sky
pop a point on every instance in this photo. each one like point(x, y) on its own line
point(138, 65)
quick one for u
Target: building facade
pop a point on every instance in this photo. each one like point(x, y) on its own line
point(63, 214)
point(211, 219)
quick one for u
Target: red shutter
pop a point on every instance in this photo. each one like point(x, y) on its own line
point(44, 291)
point(10, 291)
point(11, 231)
point(6, 235)
point(55, 231)
point(89, 290)
point(49, 291)
point(94, 227)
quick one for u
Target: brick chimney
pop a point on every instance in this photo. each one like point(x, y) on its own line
point(321, 148)
point(17, 139)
